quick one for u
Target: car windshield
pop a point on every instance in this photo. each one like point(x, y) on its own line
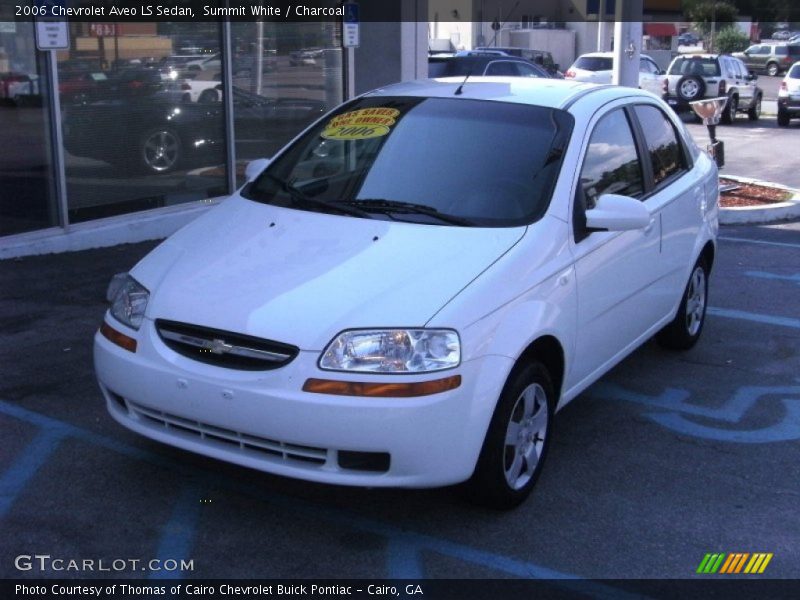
point(594, 63)
point(795, 72)
point(694, 65)
point(438, 161)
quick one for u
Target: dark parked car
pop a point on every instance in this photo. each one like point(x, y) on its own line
point(478, 63)
point(155, 135)
point(537, 57)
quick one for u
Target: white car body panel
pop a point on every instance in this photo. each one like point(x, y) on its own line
point(301, 277)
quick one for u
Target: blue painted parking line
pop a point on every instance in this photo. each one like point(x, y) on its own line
point(407, 545)
point(177, 535)
point(764, 242)
point(30, 460)
point(754, 317)
point(404, 559)
point(767, 275)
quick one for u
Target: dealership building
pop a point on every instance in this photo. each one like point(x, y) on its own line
point(137, 127)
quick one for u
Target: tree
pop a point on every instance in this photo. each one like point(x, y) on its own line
point(705, 12)
point(731, 39)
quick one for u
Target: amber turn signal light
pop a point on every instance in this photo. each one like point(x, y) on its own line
point(381, 390)
point(115, 337)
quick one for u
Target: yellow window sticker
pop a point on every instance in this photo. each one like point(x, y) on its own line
point(361, 124)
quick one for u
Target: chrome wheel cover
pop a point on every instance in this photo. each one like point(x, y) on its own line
point(160, 150)
point(696, 301)
point(525, 436)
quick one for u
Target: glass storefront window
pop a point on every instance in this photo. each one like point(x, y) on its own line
point(285, 76)
point(141, 116)
point(27, 198)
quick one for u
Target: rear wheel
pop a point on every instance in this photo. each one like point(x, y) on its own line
point(772, 69)
point(783, 118)
point(684, 330)
point(754, 112)
point(517, 440)
point(159, 150)
point(690, 87)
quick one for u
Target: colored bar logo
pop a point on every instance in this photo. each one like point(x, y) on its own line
point(735, 562)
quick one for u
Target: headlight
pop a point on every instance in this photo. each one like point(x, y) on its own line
point(393, 351)
point(129, 300)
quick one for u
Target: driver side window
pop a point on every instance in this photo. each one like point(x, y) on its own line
point(611, 164)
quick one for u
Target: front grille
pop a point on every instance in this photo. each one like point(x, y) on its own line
point(224, 348)
point(228, 439)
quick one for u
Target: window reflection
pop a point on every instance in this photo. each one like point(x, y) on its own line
point(141, 116)
point(285, 76)
point(612, 164)
point(27, 199)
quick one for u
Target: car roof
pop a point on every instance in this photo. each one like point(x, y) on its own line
point(553, 93)
point(605, 55)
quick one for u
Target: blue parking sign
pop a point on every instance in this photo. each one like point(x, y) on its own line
point(351, 13)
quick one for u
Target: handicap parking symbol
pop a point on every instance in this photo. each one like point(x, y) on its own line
point(675, 412)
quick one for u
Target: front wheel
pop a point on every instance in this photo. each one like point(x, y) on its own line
point(731, 108)
point(517, 440)
point(754, 112)
point(159, 151)
point(783, 118)
point(684, 330)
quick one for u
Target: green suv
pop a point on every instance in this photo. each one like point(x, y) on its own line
point(772, 59)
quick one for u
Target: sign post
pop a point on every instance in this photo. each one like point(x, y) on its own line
point(351, 38)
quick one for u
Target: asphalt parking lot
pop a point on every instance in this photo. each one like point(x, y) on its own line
point(669, 457)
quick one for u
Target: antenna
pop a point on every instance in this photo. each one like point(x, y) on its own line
point(458, 91)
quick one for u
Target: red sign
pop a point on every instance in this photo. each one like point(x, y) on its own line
point(103, 29)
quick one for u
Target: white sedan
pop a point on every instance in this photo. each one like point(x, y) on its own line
point(597, 67)
point(407, 293)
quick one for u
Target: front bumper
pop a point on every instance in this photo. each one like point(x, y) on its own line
point(265, 421)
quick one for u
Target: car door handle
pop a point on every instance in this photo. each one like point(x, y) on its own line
point(650, 226)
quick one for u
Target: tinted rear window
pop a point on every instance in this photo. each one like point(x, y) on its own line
point(694, 65)
point(795, 72)
point(594, 63)
point(794, 50)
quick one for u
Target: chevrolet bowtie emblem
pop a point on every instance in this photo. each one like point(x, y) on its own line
point(216, 346)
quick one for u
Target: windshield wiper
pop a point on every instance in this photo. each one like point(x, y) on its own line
point(395, 206)
point(300, 197)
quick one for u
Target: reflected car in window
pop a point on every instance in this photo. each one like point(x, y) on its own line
point(407, 293)
point(159, 134)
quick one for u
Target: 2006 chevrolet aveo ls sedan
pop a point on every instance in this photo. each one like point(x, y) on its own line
point(408, 292)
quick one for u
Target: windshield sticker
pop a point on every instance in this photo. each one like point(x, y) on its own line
point(361, 124)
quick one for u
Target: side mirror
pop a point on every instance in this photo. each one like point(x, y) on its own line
point(255, 167)
point(617, 213)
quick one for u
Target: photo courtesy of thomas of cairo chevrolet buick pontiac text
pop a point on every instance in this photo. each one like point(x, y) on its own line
point(407, 293)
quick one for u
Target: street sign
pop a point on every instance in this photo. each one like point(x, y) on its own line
point(52, 35)
point(351, 37)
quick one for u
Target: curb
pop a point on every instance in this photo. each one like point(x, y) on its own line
point(781, 211)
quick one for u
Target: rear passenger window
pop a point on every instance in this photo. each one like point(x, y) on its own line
point(663, 146)
point(501, 68)
point(611, 165)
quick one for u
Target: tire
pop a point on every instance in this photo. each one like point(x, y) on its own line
point(731, 108)
point(772, 69)
point(685, 329)
point(517, 440)
point(690, 87)
point(208, 97)
point(783, 118)
point(159, 151)
point(754, 112)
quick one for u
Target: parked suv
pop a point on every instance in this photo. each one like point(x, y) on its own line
point(772, 59)
point(698, 76)
point(789, 96)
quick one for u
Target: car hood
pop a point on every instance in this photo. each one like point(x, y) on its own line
point(301, 277)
